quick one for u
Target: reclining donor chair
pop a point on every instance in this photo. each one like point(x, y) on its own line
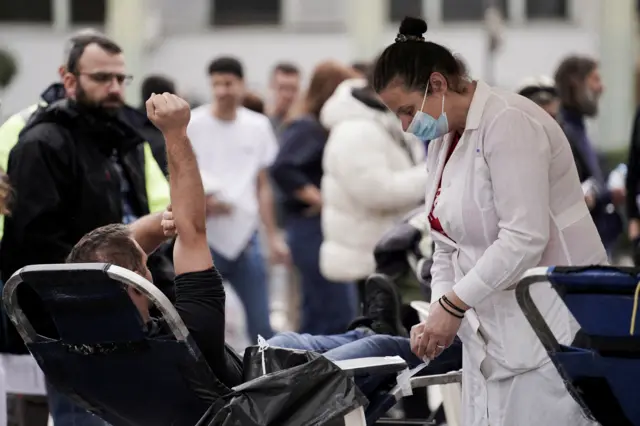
point(601, 367)
point(103, 360)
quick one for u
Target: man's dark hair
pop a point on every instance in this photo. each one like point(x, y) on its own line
point(285, 68)
point(570, 76)
point(81, 43)
point(156, 84)
point(226, 65)
point(108, 244)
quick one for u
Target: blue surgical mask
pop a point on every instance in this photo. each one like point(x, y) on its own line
point(425, 126)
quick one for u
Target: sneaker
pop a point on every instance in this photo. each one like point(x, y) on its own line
point(383, 306)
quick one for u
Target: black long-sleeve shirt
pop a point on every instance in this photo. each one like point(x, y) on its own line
point(200, 302)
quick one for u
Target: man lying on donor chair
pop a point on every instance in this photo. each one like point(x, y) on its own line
point(199, 293)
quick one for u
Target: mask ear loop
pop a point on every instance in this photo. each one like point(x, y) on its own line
point(442, 103)
point(424, 98)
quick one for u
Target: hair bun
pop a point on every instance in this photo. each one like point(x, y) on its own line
point(413, 28)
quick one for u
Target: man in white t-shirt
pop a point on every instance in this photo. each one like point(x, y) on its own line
point(235, 147)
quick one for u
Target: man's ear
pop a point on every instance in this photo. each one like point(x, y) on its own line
point(70, 82)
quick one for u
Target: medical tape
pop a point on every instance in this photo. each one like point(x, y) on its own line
point(404, 378)
point(262, 347)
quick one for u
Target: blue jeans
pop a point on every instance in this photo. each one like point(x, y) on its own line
point(361, 344)
point(248, 277)
point(65, 412)
point(327, 306)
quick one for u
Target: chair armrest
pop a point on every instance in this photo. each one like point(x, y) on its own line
point(375, 365)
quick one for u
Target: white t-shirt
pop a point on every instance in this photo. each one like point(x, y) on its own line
point(230, 156)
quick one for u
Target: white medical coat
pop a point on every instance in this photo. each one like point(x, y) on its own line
point(510, 200)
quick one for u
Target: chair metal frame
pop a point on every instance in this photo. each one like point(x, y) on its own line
point(531, 312)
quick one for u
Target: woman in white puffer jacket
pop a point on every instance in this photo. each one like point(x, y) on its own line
point(374, 174)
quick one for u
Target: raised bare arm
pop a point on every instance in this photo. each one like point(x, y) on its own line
point(171, 115)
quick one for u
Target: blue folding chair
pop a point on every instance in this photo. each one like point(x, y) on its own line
point(101, 357)
point(601, 368)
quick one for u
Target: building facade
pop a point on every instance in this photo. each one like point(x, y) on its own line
point(185, 35)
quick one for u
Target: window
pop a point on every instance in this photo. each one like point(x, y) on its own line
point(245, 12)
point(546, 9)
point(88, 12)
point(398, 9)
point(32, 11)
point(469, 10)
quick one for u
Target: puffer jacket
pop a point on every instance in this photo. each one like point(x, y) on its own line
point(374, 174)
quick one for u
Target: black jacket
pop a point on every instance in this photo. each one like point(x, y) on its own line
point(65, 186)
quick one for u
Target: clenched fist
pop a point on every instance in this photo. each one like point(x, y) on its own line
point(169, 113)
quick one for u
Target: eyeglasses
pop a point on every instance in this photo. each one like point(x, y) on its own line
point(107, 77)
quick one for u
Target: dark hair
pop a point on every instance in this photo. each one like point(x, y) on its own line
point(226, 65)
point(156, 84)
point(285, 68)
point(411, 60)
point(108, 244)
point(570, 75)
point(253, 102)
point(81, 43)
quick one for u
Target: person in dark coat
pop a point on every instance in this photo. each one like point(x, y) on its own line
point(580, 87)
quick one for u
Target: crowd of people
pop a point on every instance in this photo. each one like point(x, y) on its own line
point(313, 181)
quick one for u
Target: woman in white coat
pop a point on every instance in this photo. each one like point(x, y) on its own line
point(504, 196)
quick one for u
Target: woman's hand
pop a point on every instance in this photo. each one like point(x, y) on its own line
point(437, 334)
